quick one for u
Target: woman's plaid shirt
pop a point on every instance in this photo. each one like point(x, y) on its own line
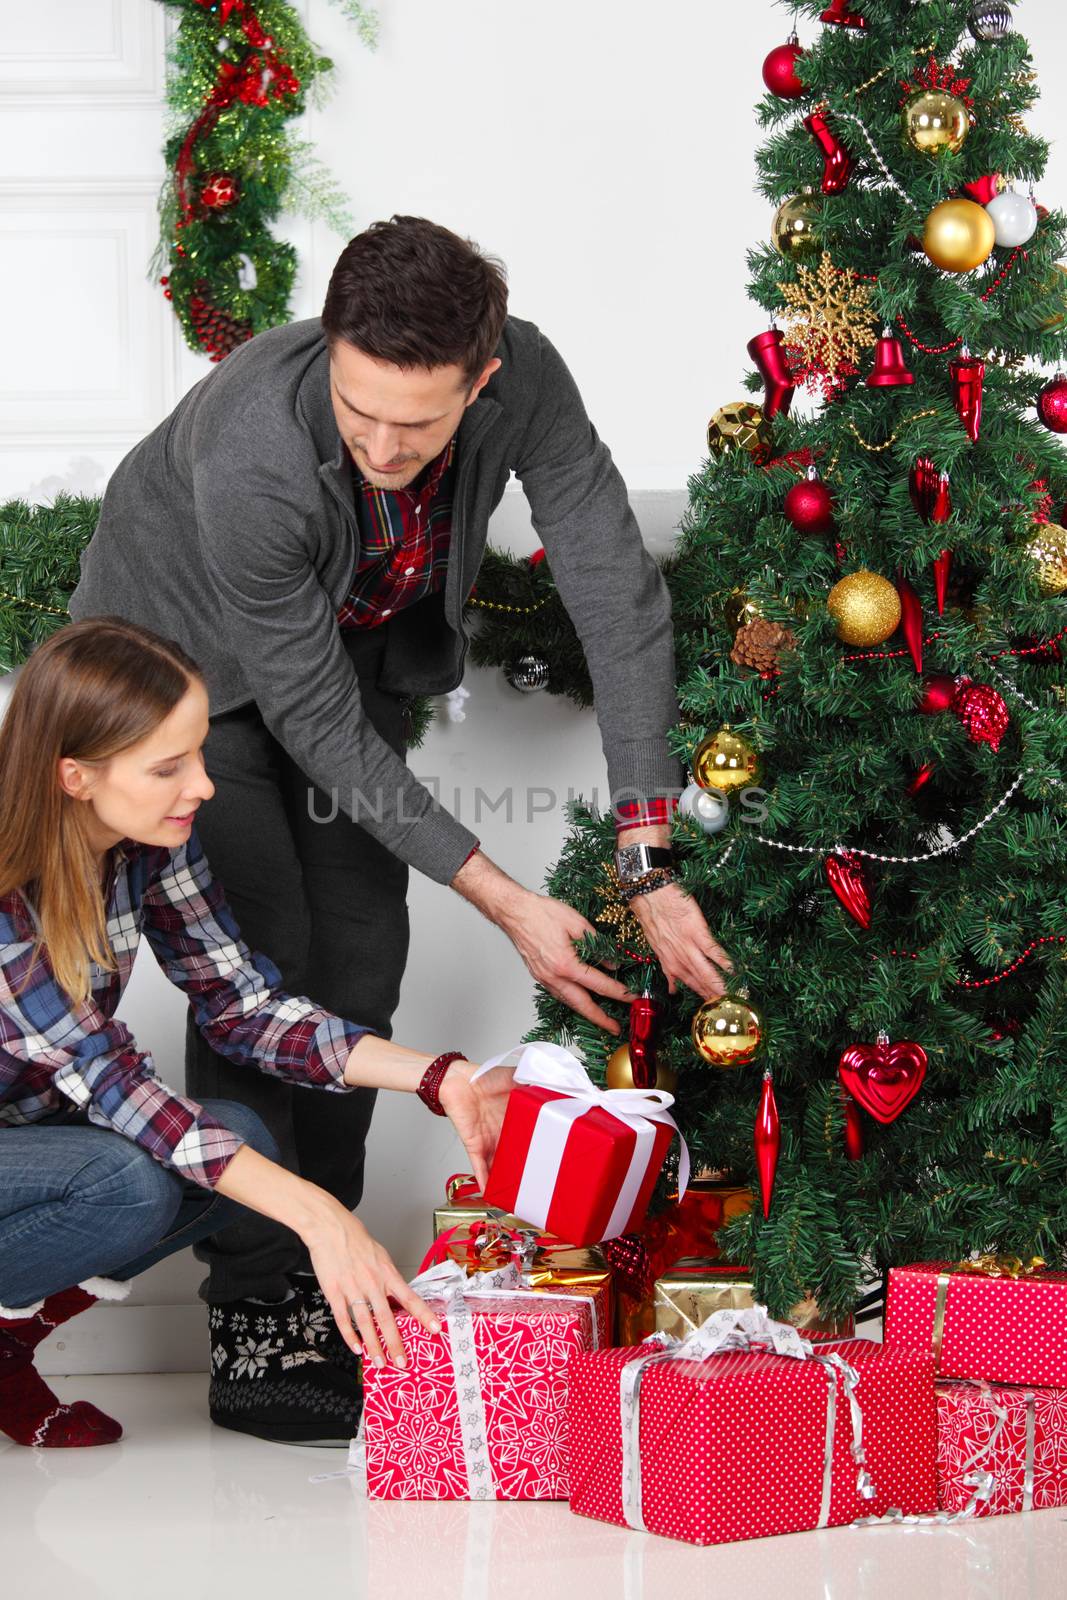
point(55, 1055)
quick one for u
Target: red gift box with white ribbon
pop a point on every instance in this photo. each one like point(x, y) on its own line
point(578, 1161)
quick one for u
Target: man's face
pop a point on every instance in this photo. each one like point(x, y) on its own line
point(396, 419)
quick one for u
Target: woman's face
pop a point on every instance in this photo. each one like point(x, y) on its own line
point(152, 791)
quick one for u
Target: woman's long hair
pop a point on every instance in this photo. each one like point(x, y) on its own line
point(90, 691)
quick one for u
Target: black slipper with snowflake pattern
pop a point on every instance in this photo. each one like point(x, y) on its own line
point(268, 1380)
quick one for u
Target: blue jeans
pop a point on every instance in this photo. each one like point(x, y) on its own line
point(80, 1202)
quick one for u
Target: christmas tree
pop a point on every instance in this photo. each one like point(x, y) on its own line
point(869, 625)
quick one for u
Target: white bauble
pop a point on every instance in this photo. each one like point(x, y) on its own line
point(707, 807)
point(1014, 218)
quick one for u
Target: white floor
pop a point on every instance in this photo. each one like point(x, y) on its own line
point(180, 1509)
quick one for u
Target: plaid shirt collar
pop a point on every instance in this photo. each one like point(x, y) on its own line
point(430, 475)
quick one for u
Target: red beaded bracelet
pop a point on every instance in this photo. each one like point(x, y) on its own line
point(429, 1090)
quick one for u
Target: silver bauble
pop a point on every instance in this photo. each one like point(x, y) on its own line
point(709, 808)
point(528, 674)
point(1014, 218)
point(990, 21)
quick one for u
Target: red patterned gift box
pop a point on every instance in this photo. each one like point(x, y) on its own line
point(743, 1444)
point(578, 1161)
point(480, 1413)
point(1016, 1435)
point(980, 1321)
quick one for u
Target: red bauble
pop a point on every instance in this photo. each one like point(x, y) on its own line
point(968, 377)
point(983, 713)
point(767, 1140)
point(809, 505)
point(883, 1077)
point(768, 352)
point(853, 1128)
point(779, 70)
point(1052, 404)
point(646, 1020)
point(837, 163)
point(942, 568)
point(911, 621)
point(838, 13)
point(938, 694)
point(219, 191)
point(847, 878)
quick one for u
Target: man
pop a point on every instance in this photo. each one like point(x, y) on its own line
point(309, 522)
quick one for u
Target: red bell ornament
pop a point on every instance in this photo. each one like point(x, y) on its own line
point(780, 70)
point(942, 568)
point(938, 694)
point(911, 621)
point(838, 13)
point(1052, 404)
point(853, 1128)
point(847, 878)
point(646, 1021)
point(768, 352)
point(984, 714)
point(890, 371)
point(968, 377)
point(837, 162)
point(767, 1141)
point(809, 505)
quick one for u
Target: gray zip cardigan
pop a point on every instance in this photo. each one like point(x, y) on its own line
point(232, 529)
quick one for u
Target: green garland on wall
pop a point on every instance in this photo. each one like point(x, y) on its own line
point(238, 75)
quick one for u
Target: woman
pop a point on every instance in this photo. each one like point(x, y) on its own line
point(103, 1170)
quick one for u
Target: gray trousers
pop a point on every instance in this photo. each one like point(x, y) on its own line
point(328, 904)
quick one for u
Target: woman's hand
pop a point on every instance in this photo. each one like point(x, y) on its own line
point(476, 1110)
point(359, 1280)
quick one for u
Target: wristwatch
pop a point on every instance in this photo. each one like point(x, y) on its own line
point(635, 861)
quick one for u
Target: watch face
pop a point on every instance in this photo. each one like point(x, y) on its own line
point(630, 861)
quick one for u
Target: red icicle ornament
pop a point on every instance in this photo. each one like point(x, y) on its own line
point(646, 1018)
point(968, 377)
point(846, 876)
point(941, 510)
point(923, 483)
point(854, 1141)
point(911, 621)
point(837, 163)
point(767, 1140)
point(942, 568)
point(768, 352)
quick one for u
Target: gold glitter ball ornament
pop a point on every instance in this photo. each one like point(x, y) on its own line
point(1047, 549)
point(959, 235)
point(727, 1032)
point(620, 1072)
point(935, 120)
point(793, 233)
point(866, 608)
point(740, 426)
point(725, 761)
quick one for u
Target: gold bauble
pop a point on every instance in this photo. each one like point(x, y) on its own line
point(866, 608)
point(934, 120)
point(620, 1072)
point(727, 1032)
point(738, 610)
point(1047, 549)
point(725, 761)
point(740, 426)
point(793, 233)
point(959, 235)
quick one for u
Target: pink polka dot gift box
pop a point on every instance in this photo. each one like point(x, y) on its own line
point(995, 1318)
point(746, 1442)
point(1002, 1447)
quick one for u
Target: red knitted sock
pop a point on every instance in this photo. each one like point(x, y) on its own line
point(29, 1412)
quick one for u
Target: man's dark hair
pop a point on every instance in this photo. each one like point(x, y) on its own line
point(416, 295)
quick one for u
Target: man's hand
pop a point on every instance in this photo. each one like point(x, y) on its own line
point(674, 926)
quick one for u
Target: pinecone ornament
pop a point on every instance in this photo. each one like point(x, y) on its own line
point(217, 330)
point(759, 643)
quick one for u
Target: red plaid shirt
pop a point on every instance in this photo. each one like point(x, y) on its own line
point(404, 537)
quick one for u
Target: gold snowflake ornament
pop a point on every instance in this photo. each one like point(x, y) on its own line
point(830, 322)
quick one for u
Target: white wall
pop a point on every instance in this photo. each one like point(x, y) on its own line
point(604, 150)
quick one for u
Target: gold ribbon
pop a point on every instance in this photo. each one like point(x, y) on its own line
point(988, 1266)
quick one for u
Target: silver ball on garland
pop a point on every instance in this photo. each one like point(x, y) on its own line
point(528, 674)
point(990, 21)
point(708, 808)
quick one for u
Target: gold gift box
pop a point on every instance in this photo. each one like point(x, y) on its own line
point(461, 1212)
point(693, 1288)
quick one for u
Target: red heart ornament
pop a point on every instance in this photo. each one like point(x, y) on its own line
point(846, 877)
point(883, 1077)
